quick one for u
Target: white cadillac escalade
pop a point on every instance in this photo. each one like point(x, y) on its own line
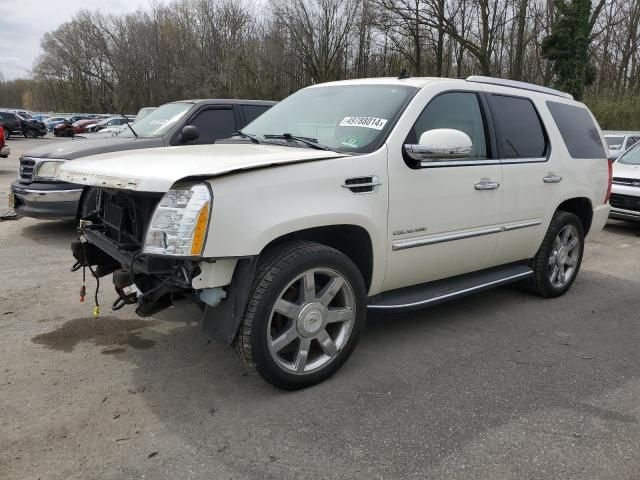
point(380, 194)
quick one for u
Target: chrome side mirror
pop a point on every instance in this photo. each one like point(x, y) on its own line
point(440, 144)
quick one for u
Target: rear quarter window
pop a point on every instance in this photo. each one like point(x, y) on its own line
point(579, 132)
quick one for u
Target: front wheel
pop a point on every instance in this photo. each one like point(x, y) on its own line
point(556, 265)
point(305, 314)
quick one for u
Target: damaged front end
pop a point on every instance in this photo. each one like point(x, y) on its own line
point(152, 243)
point(111, 240)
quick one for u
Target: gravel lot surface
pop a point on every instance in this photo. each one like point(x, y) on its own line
point(498, 385)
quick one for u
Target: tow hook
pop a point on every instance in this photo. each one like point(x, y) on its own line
point(127, 290)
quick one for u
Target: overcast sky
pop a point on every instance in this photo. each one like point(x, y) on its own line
point(23, 22)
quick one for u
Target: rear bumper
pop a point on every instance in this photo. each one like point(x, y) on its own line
point(4, 152)
point(57, 203)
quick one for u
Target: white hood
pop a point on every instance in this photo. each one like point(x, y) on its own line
point(626, 171)
point(157, 169)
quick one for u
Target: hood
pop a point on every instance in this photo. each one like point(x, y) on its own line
point(81, 147)
point(626, 171)
point(156, 170)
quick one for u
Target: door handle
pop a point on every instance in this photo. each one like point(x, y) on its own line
point(551, 178)
point(486, 185)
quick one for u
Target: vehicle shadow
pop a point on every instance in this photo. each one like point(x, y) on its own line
point(49, 232)
point(419, 386)
point(623, 228)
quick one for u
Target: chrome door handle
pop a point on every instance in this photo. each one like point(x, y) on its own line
point(484, 185)
point(552, 179)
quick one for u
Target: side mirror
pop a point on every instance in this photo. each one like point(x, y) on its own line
point(440, 144)
point(189, 134)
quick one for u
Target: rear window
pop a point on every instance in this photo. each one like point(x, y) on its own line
point(251, 112)
point(518, 128)
point(580, 134)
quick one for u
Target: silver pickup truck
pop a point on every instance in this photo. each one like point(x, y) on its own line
point(39, 194)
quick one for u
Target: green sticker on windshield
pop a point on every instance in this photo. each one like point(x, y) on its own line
point(351, 142)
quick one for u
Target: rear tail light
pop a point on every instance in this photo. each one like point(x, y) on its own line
point(610, 164)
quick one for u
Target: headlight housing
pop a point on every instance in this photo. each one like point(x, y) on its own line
point(180, 222)
point(48, 169)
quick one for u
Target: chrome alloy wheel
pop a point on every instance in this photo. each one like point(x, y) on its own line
point(311, 321)
point(564, 256)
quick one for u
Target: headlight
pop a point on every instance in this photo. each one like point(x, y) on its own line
point(179, 224)
point(48, 170)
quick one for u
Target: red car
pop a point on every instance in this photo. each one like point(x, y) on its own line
point(4, 150)
point(68, 129)
point(80, 125)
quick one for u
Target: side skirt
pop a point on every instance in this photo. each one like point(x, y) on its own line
point(431, 293)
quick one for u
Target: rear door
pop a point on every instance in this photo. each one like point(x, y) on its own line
point(532, 173)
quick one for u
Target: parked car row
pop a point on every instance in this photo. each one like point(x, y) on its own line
point(618, 141)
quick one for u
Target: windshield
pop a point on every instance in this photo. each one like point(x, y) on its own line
point(631, 156)
point(615, 143)
point(345, 118)
point(159, 121)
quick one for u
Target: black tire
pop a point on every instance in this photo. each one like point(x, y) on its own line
point(540, 283)
point(275, 273)
point(7, 133)
point(88, 201)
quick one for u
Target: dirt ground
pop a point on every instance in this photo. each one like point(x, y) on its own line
point(499, 385)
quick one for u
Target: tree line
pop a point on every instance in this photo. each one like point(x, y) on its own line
point(244, 49)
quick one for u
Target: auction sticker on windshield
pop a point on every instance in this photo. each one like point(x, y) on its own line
point(365, 122)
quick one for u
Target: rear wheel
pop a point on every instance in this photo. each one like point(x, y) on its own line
point(556, 265)
point(304, 316)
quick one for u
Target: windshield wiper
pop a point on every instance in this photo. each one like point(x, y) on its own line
point(311, 142)
point(128, 125)
point(248, 136)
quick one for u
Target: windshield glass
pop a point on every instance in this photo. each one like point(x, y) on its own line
point(345, 118)
point(159, 121)
point(631, 156)
point(615, 143)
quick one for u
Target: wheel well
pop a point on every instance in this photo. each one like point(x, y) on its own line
point(351, 240)
point(581, 207)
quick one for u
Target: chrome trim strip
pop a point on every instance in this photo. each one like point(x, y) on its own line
point(452, 294)
point(471, 163)
point(448, 237)
point(457, 163)
point(624, 213)
point(525, 224)
point(44, 192)
point(509, 161)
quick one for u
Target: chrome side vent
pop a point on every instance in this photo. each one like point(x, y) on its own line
point(369, 184)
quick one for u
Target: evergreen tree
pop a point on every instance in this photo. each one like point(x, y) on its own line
point(568, 46)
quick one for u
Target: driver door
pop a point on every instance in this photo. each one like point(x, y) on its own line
point(442, 221)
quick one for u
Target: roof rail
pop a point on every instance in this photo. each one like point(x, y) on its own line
point(521, 85)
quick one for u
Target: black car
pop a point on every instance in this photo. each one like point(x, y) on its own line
point(11, 123)
point(37, 193)
point(32, 128)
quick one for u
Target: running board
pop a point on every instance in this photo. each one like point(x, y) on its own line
point(426, 294)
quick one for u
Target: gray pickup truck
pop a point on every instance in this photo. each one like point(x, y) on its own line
point(37, 193)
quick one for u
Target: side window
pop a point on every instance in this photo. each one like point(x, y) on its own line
point(251, 112)
point(631, 141)
point(457, 110)
point(519, 131)
point(213, 124)
point(579, 132)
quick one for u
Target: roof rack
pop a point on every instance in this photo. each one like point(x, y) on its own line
point(521, 85)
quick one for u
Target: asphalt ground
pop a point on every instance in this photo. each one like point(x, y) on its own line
point(500, 385)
